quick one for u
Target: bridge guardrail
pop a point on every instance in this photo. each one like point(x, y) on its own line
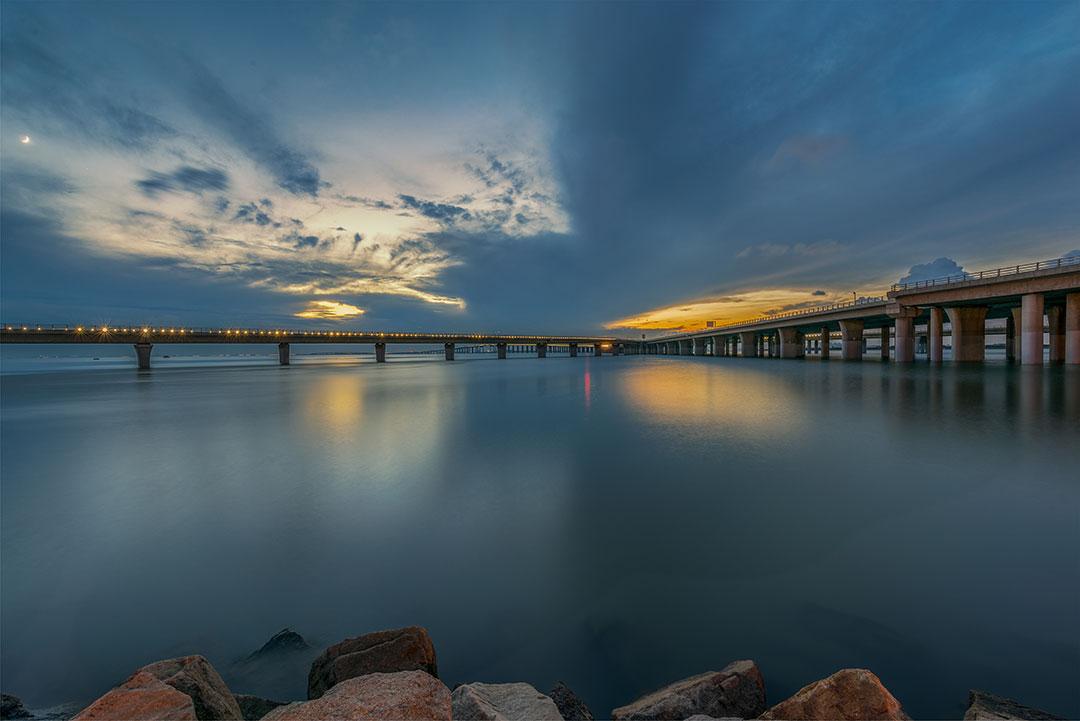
point(1002, 272)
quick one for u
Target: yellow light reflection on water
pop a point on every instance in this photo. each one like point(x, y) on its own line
point(742, 401)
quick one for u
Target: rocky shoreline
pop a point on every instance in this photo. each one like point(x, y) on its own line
point(393, 675)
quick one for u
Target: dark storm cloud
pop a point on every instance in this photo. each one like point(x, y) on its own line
point(185, 178)
point(55, 93)
point(251, 131)
point(252, 213)
point(366, 202)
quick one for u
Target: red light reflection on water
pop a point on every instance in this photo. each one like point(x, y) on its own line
point(588, 389)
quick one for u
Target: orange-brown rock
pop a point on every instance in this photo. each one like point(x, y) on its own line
point(141, 698)
point(196, 677)
point(852, 694)
point(402, 649)
point(401, 696)
point(737, 691)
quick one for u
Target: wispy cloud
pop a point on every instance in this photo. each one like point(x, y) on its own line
point(329, 310)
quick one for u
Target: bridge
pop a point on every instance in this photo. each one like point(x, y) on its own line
point(144, 336)
point(1032, 299)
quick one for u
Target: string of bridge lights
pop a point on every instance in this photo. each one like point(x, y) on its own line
point(233, 333)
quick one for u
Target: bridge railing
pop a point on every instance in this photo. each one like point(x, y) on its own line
point(1002, 272)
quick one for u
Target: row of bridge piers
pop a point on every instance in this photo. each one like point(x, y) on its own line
point(596, 350)
point(1024, 330)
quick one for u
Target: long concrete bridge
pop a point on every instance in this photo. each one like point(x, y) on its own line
point(1032, 299)
point(143, 338)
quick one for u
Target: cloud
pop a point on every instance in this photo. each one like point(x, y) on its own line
point(251, 131)
point(1072, 254)
point(329, 310)
point(373, 203)
point(939, 268)
point(442, 212)
point(776, 250)
point(819, 292)
point(184, 178)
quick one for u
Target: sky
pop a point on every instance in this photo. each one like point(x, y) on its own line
point(557, 167)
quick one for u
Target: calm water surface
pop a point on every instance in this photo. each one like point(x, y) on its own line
point(616, 523)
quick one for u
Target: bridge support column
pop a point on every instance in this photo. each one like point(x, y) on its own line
point(852, 333)
point(1055, 323)
point(541, 350)
point(597, 350)
point(721, 346)
point(826, 342)
point(791, 343)
point(142, 353)
point(904, 330)
point(747, 341)
point(380, 352)
point(448, 351)
point(573, 350)
point(935, 328)
point(969, 333)
point(1072, 329)
point(1031, 329)
point(884, 342)
point(500, 351)
point(283, 353)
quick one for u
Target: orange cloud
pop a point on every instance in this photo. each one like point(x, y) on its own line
point(329, 310)
point(695, 315)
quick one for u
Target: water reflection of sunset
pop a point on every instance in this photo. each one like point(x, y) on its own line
point(743, 401)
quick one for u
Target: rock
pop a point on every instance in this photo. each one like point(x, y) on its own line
point(570, 706)
point(141, 698)
point(60, 712)
point(194, 676)
point(736, 691)
point(502, 702)
point(985, 705)
point(283, 642)
point(12, 707)
point(401, 696)
point(253, 708)
point(848, 695)
point(402, 649)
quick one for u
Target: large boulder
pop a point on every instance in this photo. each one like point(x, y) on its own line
point(852, 694)
point(253, 708)
point(194, 676)
point(285, 641)
point(402, 696)
point(570, 706)
point(502, 702)
point(737, 691)
point(11, 707)
point(143, 697)
point(402, 649)
point(985, 705)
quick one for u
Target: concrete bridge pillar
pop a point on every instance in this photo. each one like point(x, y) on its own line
point(380, 352)
point(904, 330)
point(826, 341)
point(698, 346)
point(1031, 329)
point(1055, 323)
point(969, 333)
point(722, 346)
point(500, 351)
point(1072, 328)
point(884, 342)
point(142, 353)
point(748, 341)
point(573, 350)
point(448, 351)
point(852, 333)
point(541, 350)
point(791, 343)
point(935, 328)
point(283, 353)
point(597, 350)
